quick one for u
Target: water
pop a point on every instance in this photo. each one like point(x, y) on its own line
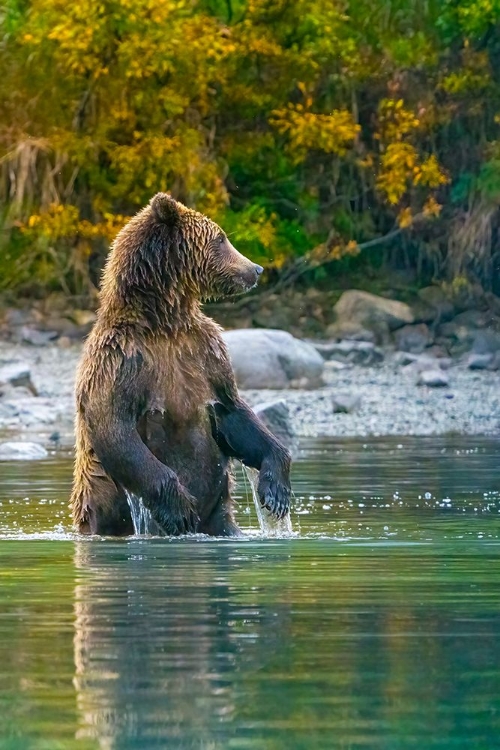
point(377, 626)
point(268, 524)
point(143, 521)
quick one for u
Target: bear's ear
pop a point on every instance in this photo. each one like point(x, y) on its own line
point(165, 208)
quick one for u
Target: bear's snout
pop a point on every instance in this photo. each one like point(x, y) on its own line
point(250, 274)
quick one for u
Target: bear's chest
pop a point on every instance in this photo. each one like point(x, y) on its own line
point(181, 383)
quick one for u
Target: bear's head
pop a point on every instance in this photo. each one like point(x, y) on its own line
point(203, 249)
point(167, 258)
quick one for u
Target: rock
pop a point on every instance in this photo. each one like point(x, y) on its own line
point(413, 338)
point(36, 337)
point(405, 358)
point(422, 312)
point(479, 361)
point(13, 393)
point(352, 352)
point(345, 403)
point(9, 413)
point(433, 379)
point(456, 338)
point(273, 317)
point(273, 359)
point(35, 412)
point(13, 317)
point(423, 363)
point(276, 417)
point(434, 297)
point(346, 330)
point(486, 342)
point(493, 302)
point(21, 451)
point(495, 362)
point(370, 310)
point(333, 365)
point(17, 374)
point(474, 319)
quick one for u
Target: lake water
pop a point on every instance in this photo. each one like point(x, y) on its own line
point(377, 626)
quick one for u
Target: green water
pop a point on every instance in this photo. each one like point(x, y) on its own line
point(377, 626)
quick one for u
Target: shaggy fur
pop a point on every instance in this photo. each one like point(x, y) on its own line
point(158, 411)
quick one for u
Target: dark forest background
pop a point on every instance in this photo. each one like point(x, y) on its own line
point(324, 136)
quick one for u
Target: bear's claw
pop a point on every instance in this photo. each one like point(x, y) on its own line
point(179, 515)
point(274, 495)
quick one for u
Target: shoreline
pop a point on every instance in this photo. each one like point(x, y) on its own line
point(380, 400)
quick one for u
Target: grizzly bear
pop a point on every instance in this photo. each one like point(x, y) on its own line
point(158, 411)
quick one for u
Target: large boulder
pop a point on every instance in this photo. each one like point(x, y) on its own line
point(273, 359)
point(369, 311)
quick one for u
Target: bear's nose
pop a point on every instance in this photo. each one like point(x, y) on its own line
point(258, 269)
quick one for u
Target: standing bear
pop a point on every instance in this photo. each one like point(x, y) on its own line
point(158, 411)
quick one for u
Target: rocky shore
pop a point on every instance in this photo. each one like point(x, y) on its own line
point(381, 367)
point(385, 396)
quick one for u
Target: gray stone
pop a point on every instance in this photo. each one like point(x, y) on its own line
point(36, 337)
point(345, 403)
point(13, 393)
point(413, 338)
point(12, 451)
point(458, 339)
point(276, 417)
point(433, 379)
point(473, 319)
point(348, 330)
point(405, 358)
point(273, 359)
point(333, 365)
point(17, 374)
point(352, 352)
point(479, 361)
point(422, 363)
point(486, 342)
point(434, 297)
point(372, 311)
point(15, 317)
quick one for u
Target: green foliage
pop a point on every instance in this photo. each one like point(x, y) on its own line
point(306, 127)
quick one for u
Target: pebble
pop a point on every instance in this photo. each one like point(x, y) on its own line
point(433, 378)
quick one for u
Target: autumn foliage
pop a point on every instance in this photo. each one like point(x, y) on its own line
point(305, 127)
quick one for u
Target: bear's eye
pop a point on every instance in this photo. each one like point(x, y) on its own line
point(221, 240)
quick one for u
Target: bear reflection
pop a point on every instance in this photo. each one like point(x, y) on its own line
point(162, 643)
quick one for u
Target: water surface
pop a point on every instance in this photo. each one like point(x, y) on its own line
point(377, 626)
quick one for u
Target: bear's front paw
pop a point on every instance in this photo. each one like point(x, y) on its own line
point(274, 494)
point(179, 515)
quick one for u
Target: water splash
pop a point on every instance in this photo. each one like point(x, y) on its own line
point(270, 526)
point(144, 524)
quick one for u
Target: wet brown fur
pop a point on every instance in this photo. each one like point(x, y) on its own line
point(154, 352)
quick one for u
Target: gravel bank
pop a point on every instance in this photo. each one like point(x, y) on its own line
point(390, 402)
